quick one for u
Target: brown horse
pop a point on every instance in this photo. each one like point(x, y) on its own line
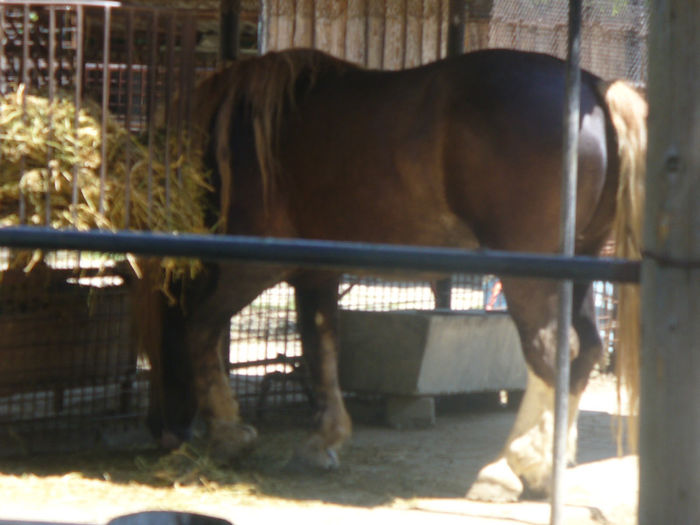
point(465, 152)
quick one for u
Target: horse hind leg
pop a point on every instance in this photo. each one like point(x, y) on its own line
point(524, 467)
point(316, 304)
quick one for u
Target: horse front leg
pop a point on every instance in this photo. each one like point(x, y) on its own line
point(317, 317)
point(227, 436)
point(207, 321)
point(524, 467)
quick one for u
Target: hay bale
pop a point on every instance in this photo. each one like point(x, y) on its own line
point(40, 145)
point(34, 130)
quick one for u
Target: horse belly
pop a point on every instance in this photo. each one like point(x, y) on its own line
point(381, 214)
point(354, 186)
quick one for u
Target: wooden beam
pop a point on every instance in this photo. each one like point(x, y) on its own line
point(670, 382)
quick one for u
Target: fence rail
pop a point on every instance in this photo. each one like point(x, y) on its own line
point(326, 254)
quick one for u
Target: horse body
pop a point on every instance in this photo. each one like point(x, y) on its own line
point(465, 152)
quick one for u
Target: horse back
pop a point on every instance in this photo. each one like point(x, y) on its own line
point(462, 152)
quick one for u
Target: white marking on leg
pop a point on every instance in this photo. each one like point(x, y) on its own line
point(527, 455)
point(528, 449)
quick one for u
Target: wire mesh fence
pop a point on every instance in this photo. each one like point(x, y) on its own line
point(613, 39)
point(394, 34)
point(131, 61)
point(69, 374)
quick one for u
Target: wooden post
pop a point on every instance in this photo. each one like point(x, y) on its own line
point(670, 397)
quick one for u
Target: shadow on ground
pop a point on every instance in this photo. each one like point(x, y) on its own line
point(379, 464)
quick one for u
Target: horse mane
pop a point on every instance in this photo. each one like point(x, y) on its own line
point(265, 88)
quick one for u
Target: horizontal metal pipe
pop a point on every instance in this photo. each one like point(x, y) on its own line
point(66, 3)
point(212, 14)
point(326, 254)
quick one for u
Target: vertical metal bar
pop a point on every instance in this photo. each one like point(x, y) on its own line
point(25, 47)
point(25, 83)
point(105, 105)
point(169, 86)
point(129, 68)
point(60, 50)
point(421, 37)
point(367, 29)
point(294, 23)
point(383, 42)
point(441, 13)
point(567, 245)
point(230, 29)
point(152, 78)
point(455, 27)
point(129, 110)
point(3, 80)
point(191, 30)
point(264, 28)
point(187, 74)
point(313, 23)
point(52, 92)
point(455, 47)
point(443, 294)
point(77, 102)
point(345, 32)
point(404, 35)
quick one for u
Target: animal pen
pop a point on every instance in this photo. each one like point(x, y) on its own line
point(69, 376)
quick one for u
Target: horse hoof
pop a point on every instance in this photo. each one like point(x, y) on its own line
point(309, 457)
point(170, 441)
point(496, 482)
point(230, 440)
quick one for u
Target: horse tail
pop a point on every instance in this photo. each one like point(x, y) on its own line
point(147, 322)
point(628, 112)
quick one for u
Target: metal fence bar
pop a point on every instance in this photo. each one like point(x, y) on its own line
point(326, 254)
point(128, 110)
point(25, 83)
point(52, 93)
point(105, 104)
point(456, 27)
point(169, 85)
point(77, 102)
point(150, 117)
point(188, 81)
point(567, 246)
point(3, 81)
point(69, 3)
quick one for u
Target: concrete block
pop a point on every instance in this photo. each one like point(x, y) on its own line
point(429, 353)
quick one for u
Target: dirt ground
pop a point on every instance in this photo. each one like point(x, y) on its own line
point(416, 476)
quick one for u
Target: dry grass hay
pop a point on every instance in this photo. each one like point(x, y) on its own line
point(40, 146)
